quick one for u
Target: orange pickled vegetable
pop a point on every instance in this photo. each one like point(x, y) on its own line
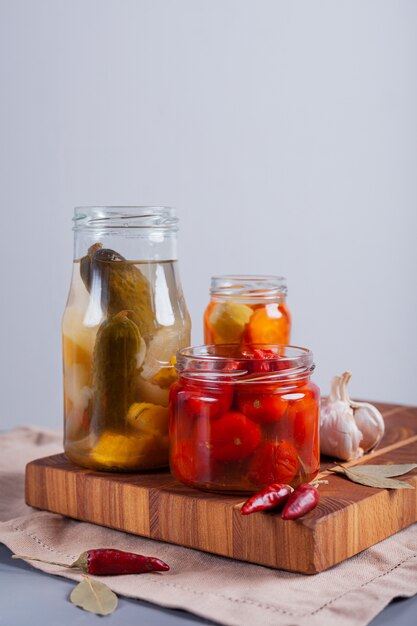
point(269, 324)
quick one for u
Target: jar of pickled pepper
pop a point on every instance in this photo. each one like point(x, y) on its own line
point(124, 321)
point(247, 310)
point(244, 418)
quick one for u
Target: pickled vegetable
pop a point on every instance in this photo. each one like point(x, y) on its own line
point(151, 392)
point(122, 286)
point(228, 320)
point(77, 347)
point(268, 325)
point(77, 339)
point(117, 379)
point(234, 433)
point(148, 418)
point(151, 419)
point(247, 310)
point(127, 452)
point(166, 375)
point(158, 366)
point(115, 362)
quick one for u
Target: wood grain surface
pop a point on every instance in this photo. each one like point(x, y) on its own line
point(349, 518)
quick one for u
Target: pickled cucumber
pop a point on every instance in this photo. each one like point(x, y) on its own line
point(122, 286)
point(115, 361)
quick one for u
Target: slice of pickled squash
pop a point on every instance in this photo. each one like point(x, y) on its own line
point(228, 320)
point(77, 339)
point(148, 418)
point(114, 450)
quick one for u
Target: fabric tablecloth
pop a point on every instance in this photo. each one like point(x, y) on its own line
point(226, 591)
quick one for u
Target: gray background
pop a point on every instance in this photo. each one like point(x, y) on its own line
point(284, 132)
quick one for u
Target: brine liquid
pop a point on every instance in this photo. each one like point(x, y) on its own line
point(115, 407)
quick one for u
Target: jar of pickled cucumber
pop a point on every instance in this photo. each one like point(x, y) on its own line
point(247, 310)
point(124, 321)
point(244, 418)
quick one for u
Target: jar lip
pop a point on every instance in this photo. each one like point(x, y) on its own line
point(248, 286)
point(209, 363)
point(129, 216)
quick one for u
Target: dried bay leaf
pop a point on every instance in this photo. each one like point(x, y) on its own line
point(94, 596)
point(377, 475)
point(385, 471)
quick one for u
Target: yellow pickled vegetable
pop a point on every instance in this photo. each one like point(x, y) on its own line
point(126, 451)
point(148, 418)
point(166, 375)
point(228, 320)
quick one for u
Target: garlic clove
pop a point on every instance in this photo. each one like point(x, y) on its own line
point(339, 435)
point(348, 428)
point(370, 422)
point(367, 417)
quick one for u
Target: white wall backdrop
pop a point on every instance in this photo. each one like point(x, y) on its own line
point(285, 133)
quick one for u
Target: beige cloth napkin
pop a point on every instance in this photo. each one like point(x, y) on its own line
point(226, 591)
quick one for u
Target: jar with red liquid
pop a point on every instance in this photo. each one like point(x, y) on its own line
point(243, 418)
point(247, 310)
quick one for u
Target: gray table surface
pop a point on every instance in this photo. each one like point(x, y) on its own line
point(28, 596)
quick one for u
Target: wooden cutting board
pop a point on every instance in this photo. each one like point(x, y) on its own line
point(349, 517)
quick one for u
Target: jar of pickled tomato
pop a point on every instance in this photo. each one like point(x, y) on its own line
point(124, 321)
point(242, 419)
point(247, 310)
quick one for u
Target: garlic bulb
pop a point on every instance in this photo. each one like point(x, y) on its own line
point(348, 428)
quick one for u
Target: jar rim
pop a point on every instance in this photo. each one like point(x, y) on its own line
point(208, 362)
point(162, 218)
point(248, 286)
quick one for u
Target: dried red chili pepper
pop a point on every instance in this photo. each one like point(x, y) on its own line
point(262, 359)
point(304, 499)
point(269, 498)
point(106, 561)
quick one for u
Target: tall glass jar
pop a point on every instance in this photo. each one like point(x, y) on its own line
point(124, 321)
point(247, 310)
point(242, 419)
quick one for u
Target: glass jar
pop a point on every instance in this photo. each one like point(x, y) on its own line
point(242, 419)
point(124, 321)
point(247, 310)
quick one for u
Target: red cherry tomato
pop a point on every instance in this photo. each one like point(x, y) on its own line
point(232, 437)
point(183, 461)
point(173, 390)
point(274, 462)
point(262, 408)
point(303, 416)
point(208, 402)
point(190, 461)
point(180, 422)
